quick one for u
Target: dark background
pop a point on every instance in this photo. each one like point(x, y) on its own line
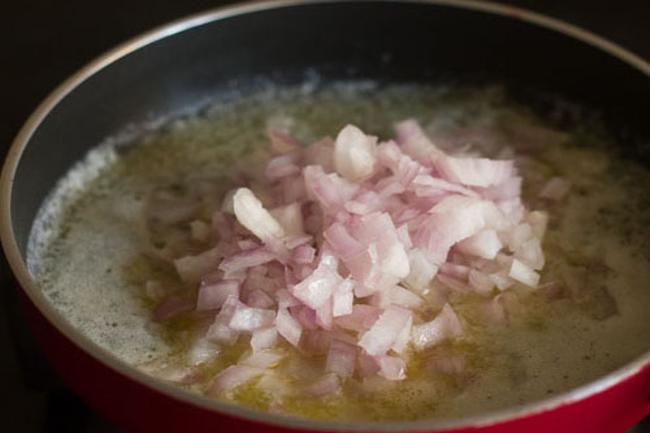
point(42, 42)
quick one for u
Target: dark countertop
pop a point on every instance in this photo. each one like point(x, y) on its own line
point(44, 41)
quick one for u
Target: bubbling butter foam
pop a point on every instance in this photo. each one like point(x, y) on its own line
point(86, 248)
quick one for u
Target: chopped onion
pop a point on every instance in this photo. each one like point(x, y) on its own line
point(445, 325)
point(538, 221)
point(248, 319)
point(288, 327)
point(341, 358)
point(263, 338)
point(202, 350)
point(343, 298)
point(530, 253)
point(315, 290)
point(328, 384)
point(361, 318)
point(361, 239)
point(391, 367)
point(354, 153)
point(262, 359)
point(212, 296)
point(485, 244)
point(384, 332)
point(480, 172)
point(414, 141)
point(421, 272)
point(172, 307)
point(523, 273)
point(251, 214)
point(191, 269)
point(246, 259)
point(232, 377)
point(304, 254)
point(290, 218)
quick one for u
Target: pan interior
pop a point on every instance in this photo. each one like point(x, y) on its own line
point(86, 247)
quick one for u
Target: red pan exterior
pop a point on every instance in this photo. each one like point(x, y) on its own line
point(140, 409)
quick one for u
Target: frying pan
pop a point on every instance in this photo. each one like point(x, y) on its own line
point(163, 72)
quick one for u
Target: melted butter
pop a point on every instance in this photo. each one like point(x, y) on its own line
point(86, 252)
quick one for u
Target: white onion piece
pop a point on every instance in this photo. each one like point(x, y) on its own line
point(391, 367)
point(248, 319)
point(445, 325)
point(530, 253)
point(220, 331)
point(378, 228)
point(517, 236)
point(361, 318)
point(232, 377)
point(281, 141)
point(324, 316)
point(172, 307)
point(262, 359)
point(227, 203)
point(403, 338)
point(246, 259)
point(397, 295)
point(422, 271)
point(480, 172)
point(403, 168)
point(480, 281)
point(191, 269)
point(341, 242)
point(538, 221)
point(259, 299)
point(384, 332)
point(523, 273)
point(414, 141)
point(341, 358)
point(485, 244)
point(404, 237)
point(354, 153)
point(506, 190)
point(367, 365)
point(212, 296)
point(288, 327)
point(304, 254)
point(501, 279)
point(296, 241)
point(315, 290)
point(453, 270)
point(290, 218)
point(251, 214)
point(281, 166)
point(202, 350)
point(286, 299)
point(321, 153)
point(343, 298)
point(453, 219)
point(263, 338)
point(426, 186)
point(328, 384)
point(329, 190)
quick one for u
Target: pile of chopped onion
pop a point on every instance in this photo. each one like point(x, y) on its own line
point(346, 244)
